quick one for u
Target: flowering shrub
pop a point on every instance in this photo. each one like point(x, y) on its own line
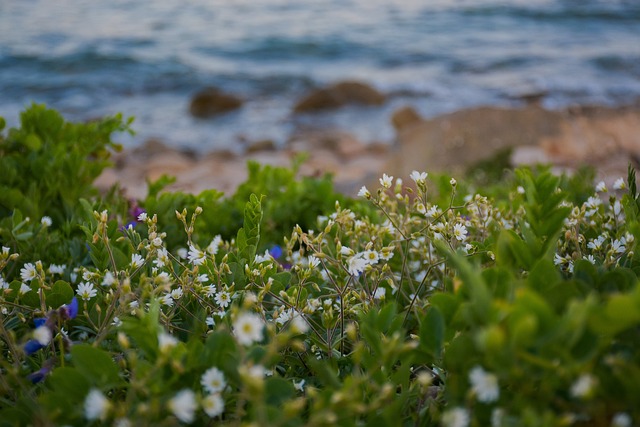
point(443, 308)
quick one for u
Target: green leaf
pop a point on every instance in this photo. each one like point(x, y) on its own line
point(249, 235)
point(278, 391)
point(60, 293)
point(97, 365)
point(432, 331)
point(69, 384)
point(474, 286)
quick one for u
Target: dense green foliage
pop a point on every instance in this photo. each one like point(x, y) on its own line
point(408, 306)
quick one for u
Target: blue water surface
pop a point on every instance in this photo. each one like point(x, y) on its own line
point(147, 59)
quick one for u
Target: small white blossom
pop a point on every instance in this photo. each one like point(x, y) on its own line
point(223, 299)
point(182, 253)
point(96, 405)
point(313, 261)
point(248, 328)
point(453, 182)
point(456, 417)
point(621, 419)
point(196, 256)
point(619, 184)
point(86, 291)
point(209, 290)
point(210, 321)
point(601, 187)
point(3, 284)
point(299, 385)
point(214, 245)
point(167, 300)
point(46, 221)
point(364, 193)
point(43, 335)
point(371, 257)
point(184, 405)
point(520, 189)
point(213, 405)
point(109, 279)
point(298, 324)
point(386, 181)
point(356, 264)
point(432, 212)
point(590, 258)
point(484, 385)
point(176, 293)
point(460, 232)
point(262, 258)
point(583, 386)
point(618, 245)
point(166, 342)
point(143, 217)
point(57, 269)
point(596, 244)
point(379, 293)
point(136, 261)
point(24, 289)
point(419, 177)
point(28, 272)
point(213, 380)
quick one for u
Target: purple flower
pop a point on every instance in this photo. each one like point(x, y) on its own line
point(32, 346)
point(275, 251)
point(39, 321)
point(69, 311)
point(39, 375)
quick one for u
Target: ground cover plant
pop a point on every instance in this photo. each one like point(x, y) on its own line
point(421, 302)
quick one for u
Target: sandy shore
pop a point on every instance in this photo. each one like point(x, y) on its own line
point(606, 138)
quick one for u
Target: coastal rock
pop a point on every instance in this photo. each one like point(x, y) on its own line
point(211, 102)
point(404, 118)
point(262, 145)
point(342, 143)
point(339, 94)
point(452, 142)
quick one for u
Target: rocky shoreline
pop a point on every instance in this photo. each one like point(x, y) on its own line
point(604, 137)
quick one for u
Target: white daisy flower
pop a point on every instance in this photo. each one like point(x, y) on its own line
point(108, 279)
point(86, 291)
point(583, 386)
point(364, 192)
point(214, 245)
point(371, 257)
point(619, 184)
point(213, 380)
point(601, 187)
point(96, 405)
point(386, 181)
point(299, 385)
point(456, 417)
point(184, 405)
point(419, 177)
point(166, 341)
point(24, 289)
point(356, 264)
point(213, 405)
point(248, 328)
point(28, 272)
point(196, 256)
point(223, 299)
point(46, 221)
point(460, 232)
point(484, 385)
point(143, 217)
point(136, 261)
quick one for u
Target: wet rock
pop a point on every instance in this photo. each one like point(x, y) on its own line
point(339, 94)
point(211, 102)
point(405, 117)
point(262, 145)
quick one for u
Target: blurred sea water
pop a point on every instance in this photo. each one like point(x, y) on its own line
point(147, 59)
